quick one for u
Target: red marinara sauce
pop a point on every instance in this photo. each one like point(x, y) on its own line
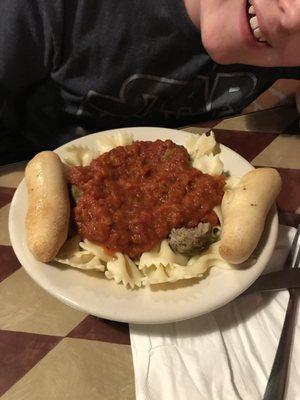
point(132, 196)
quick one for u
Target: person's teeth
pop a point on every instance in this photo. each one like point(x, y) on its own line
point(251, 10)
point(254, 22)
point(257, 33)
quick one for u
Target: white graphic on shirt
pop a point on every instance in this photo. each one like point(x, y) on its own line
point(143, 95)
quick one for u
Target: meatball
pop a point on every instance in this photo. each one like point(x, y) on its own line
point(190, 240)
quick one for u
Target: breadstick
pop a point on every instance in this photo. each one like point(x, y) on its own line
point(48, 213)
point(244, 210)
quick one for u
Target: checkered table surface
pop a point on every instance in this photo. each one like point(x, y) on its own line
point(51, 351)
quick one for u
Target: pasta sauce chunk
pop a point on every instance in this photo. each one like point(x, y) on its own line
point(132, 196)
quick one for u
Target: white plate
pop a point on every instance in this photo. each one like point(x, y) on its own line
point(94, 294)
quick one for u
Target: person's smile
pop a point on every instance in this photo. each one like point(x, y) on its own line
point(255, 32)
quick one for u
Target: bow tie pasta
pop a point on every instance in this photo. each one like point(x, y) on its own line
point(162, 262)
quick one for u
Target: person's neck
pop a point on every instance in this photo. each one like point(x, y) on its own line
point(193, 10)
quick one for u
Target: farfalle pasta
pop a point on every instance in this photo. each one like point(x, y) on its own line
point(75, 254)
point(161, 271)
point(161, 264)
point(79, 155)
point(108, 141)
point(123, 270)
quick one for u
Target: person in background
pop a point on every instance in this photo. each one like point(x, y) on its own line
point(72, 67)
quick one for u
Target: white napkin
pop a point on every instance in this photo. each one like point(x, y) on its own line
point(224, 355)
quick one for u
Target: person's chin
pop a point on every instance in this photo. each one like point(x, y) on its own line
point(224, 57)
point(220, 50)
point(226, 52)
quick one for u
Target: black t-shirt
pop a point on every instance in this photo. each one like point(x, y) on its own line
point(74, 66)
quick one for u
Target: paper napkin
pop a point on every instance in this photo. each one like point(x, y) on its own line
point(224, 355)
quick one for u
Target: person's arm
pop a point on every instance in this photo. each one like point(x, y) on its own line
point(26, 57)
point(13, 146)
point(25, 45)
